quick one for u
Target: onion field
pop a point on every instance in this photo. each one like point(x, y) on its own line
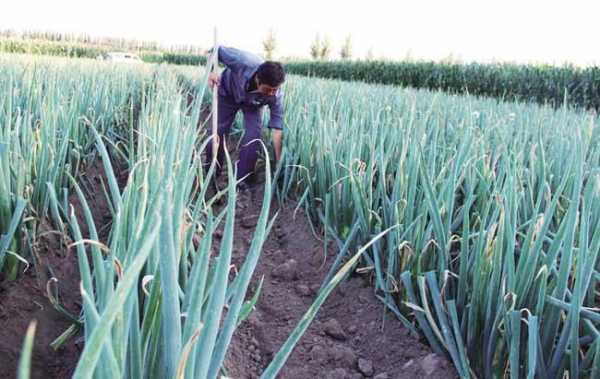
point(477, 220)
point(494, 255)
point(151, 301)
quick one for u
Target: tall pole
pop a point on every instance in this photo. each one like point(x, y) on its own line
point(214, 69)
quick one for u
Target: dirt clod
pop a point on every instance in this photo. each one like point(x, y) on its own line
point(409, 364)
point(279, 232)
point(338, 373)
point(334, 330)
point(286, 271)
point(303, 290)
point(343, 355)
point(365, 366)
point(319, 354)
point(430, 363)
point(249, 221)
point(254, 320)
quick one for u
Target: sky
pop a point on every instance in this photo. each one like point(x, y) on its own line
point(524, 31)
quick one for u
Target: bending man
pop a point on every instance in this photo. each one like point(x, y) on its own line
point(248, 83)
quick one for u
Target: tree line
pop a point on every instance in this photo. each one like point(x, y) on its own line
point(321, 48)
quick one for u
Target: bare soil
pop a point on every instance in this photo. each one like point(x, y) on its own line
point(352, 335)
point(26, 299)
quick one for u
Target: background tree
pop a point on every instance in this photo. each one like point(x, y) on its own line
point(346, 50)
point(315, 48)
point(325, 48)
point(270, 45)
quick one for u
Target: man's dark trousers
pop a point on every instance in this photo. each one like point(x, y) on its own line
point(227, 109)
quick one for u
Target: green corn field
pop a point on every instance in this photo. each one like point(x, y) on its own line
point(74, 49)
point(544, 84)
point(478, 218)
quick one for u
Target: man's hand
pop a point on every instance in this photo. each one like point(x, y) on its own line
point(277, 143)
point(213, 80)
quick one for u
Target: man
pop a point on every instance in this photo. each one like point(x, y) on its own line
point(248, 83)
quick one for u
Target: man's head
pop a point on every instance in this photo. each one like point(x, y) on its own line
point(269, 77)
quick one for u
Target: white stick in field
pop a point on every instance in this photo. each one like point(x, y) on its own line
point(214, 68)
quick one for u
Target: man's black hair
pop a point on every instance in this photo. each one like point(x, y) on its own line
point(271, 73)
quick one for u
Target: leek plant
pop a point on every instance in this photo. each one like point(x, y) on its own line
point(480, 220)
point(45, 110)
point(154, 304)
point(496, 256)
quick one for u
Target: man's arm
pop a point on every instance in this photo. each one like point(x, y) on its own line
point(277, 143)
point(228, 56)
point(276, 124)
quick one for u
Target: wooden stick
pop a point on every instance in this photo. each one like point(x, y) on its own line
point(215, 98)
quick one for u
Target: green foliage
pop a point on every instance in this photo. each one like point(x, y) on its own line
point(492, 213)
point(44, 134)
point(86, 50)
point(67, 49)
point(346, 49)
point(498, 206)
point(542, 84)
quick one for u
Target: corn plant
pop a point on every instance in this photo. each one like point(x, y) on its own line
point(536, 83)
